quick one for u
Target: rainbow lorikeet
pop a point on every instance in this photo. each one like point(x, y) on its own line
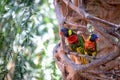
point(90, 45)
point(75, 43)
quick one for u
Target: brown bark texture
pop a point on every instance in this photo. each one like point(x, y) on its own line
point(104, 16)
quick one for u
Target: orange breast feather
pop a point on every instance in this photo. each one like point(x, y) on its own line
point(89, 45)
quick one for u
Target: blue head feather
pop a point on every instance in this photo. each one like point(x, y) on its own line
point(65, 31)
point(93, 37)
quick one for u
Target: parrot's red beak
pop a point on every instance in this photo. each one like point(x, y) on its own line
point(97, 40)
point(61, 33)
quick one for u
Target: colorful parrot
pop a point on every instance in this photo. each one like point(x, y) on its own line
point(90, 45)
point(75, 43)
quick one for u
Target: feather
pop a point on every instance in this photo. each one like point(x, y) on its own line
point(90, 45)
point(76, 44)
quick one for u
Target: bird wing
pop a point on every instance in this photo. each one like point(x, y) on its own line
point(81, 41)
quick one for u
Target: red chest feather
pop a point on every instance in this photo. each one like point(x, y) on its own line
point(72, 39)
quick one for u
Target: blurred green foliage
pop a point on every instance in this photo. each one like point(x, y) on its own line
point(28, 33)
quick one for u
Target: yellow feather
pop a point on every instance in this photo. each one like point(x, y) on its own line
point(94, 54)
point(70, 32)
point(89, 37)
point(82, 59)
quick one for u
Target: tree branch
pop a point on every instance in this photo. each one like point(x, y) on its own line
point(80, 11)
point(85, 15)
point(72, 71)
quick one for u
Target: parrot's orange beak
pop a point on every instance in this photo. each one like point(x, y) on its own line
point(97, 40)
point(61, 33)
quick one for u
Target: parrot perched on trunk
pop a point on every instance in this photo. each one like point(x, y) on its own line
point(90, 45)
point(75, 43)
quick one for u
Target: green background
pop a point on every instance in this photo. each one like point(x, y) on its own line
point(28, 33)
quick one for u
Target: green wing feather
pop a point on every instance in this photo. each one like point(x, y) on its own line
point(94, 53)
point(73, 47)
point(80, 39)
point(79, 47)
point(95, 49)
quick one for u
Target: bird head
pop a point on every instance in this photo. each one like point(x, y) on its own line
point(94, 38)
point(66, 32)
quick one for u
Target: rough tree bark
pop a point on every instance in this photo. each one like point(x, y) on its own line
point(104, 16)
